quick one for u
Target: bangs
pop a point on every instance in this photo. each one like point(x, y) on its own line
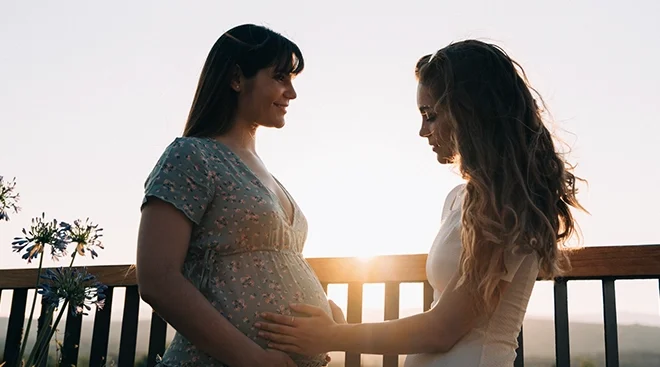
point(287, 58)
point(274, 50)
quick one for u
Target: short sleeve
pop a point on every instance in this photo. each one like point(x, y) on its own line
point(453, 201)
point(513, 258)
point(181, 177)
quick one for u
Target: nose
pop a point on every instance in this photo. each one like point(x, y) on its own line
point(426, 130)
point(290, 92)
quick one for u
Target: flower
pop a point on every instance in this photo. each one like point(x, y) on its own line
point(84, 235)
point(81, 289)
point(8, 198)
point(41, 233)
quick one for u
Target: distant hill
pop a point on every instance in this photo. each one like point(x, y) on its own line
point(638, 345)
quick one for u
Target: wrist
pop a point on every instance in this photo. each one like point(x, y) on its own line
point(337, 334)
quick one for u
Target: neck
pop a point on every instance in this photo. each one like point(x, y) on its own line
point(242, 136)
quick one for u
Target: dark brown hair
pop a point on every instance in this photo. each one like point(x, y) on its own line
point(247, 49)
point(519, 187)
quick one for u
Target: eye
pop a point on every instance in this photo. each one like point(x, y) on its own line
point(428, 116)
point(280, 77)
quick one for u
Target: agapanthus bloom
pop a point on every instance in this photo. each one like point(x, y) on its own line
point(8, 198)
point(41, 234)
point(77, 286)
point(85, 235)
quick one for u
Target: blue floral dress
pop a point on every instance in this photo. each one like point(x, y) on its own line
point(245, 257)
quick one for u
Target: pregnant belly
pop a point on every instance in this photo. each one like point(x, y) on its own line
point(245, 285)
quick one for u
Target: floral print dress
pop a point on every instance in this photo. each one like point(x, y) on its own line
point(245, 257)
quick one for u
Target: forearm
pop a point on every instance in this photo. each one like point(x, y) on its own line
point(410, 335)
point(176, 300)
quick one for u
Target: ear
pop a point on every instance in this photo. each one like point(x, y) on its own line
point(237, 79)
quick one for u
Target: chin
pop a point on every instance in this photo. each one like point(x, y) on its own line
point(444, 160)
point(274, 124)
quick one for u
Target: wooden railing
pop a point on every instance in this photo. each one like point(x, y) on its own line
point(600, 263)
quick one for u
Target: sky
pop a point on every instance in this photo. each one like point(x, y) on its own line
point(91, 93)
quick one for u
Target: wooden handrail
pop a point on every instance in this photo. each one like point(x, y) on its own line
point(637, 262)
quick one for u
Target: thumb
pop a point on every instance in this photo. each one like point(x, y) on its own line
point(337, 313)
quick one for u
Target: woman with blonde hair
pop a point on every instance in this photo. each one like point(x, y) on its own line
point(499, 229)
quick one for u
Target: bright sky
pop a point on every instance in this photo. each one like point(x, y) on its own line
point(92, 93)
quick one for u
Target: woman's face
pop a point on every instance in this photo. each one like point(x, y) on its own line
point(264, 98)
point(436, 127)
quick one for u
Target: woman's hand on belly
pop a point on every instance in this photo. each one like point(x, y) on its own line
point(306, 335)
point(337, 313)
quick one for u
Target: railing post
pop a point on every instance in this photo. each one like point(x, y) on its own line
point(45, 323)
point(15, 326)
point(129, 326)
point(71, 344)
point(354, 316)
point(157, 338)
point(99, 350)
point(562, 344)
point(609, 316)
point(520, 351)
point(391, 313)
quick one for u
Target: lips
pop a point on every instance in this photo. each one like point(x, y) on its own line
point(281, 106)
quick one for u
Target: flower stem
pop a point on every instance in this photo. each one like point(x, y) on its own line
point(34, 302)
point(41, 353)
point(73, 257)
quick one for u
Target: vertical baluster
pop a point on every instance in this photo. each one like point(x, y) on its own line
point(562, 345)
point(609, 320)
point(157, 336)
point(101, 333)
point(71, 342)
point(520, 351)
point(15, 326)
point(45, 325)
point(354, 316)
point(129, 325)
point(391, 313)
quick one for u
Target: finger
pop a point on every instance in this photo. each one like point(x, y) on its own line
point(337, 313)
point(279, 319)
point(277, 338)
point(328, 358)
point(275, 328)
point(307, 309)
point(289, 348)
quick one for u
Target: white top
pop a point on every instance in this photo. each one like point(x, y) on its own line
point(494, 341)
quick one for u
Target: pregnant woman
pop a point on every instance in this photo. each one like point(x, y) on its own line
point(220, 238)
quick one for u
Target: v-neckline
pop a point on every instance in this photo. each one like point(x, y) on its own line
point(289, 221)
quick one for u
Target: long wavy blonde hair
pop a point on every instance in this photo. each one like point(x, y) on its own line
point(519, 187)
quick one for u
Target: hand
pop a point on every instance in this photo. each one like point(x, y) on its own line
point(276, 358)
point(303, 335)
point(337, 313)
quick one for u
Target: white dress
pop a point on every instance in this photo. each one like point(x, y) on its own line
point(494, 341)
